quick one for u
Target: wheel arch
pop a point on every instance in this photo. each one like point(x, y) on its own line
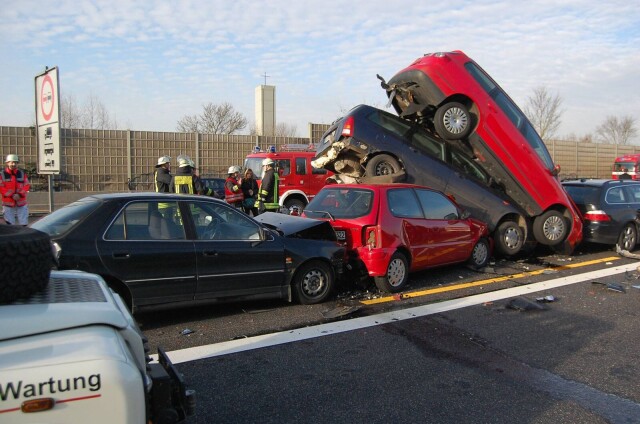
point(469, 103)
point(294, 194)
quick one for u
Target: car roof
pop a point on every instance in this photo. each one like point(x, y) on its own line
point(598, 182)
point(150, 195)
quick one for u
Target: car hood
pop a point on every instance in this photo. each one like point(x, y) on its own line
point(297, 226)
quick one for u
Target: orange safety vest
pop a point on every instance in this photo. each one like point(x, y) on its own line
point(234, 194)
point(12, 183)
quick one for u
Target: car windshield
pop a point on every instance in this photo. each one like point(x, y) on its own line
point(63, 219)
point(256, 166)
point(582, 194)
point(340, 203)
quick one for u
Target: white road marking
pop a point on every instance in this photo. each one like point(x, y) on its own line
point(266, 340)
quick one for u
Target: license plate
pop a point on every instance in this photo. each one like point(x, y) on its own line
point(341, 235)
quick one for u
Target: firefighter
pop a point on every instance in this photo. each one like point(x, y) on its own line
point(232, 190)
point(14, 187)
point(162, 175)
point(183, 180)
point(267, 187)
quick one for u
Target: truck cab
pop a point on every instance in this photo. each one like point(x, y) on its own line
point(626, 167)
point(298, 180)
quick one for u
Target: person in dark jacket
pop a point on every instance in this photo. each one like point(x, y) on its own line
point(186, 180)
point(265, 195)
point(162, 175)
point(249, 187)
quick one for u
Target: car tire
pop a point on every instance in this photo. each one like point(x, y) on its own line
point(25, 262)
point(397, 274)
point(480, 254)
point(509, 238)
point(294, 203)
point(628, 237)
point(550, 228)
point(313, 282)
point(382, 165)
point(452, 121)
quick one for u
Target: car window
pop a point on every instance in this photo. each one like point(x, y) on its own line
point(634, 190)
point(340, 203)
point(615, 195)
point(403, 203)
point(437, 206)
point(582, 194)
point(218, 221)
point(468, 166)
point(389, 122)
point(301, 166)
point(256, 165)
point(427, 145)
point(149, 220)
point(283, 166)
point(63, 219)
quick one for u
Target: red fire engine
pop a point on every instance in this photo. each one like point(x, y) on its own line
point(298, 180)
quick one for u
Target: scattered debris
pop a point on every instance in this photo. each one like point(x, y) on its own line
point(611, 286)
point(626, 253)
point(550, 271)
point(186, 332)
point(524, 304)
point(546, 299)
point(340, 311)
point(636, 286)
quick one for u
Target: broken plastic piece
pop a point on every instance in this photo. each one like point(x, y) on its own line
point(186, 331)
point(548, 298)
point(616, 287)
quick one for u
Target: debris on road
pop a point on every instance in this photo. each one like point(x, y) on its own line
point(524, 304)
point(611, 286)
point(186, 332)
point(340, 311)
point(546, 299)
point(626, 253)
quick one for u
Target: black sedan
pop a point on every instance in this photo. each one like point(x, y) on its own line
point(610, 209)
point(369, 145)
point(167, 249)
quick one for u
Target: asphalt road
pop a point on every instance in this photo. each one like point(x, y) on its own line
point(497, 361)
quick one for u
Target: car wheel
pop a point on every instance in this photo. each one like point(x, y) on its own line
point(290, 204)
point(509, 238)
point(550, 228)
point(382, 165)
point(480, 254)
point(313, 282)
point(396, 276)
point(452, 121)
point(25, 262)
point(628, 237)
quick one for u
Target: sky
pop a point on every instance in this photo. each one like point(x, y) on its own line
point(150, 63)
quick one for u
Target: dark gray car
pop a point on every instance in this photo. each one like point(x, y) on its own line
point(371, 145)
point(610, 208)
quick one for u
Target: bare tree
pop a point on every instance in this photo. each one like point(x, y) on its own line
point(92, 115)
point(286, 130)
point(215, 119)
point(543, 110)
point(616, 131)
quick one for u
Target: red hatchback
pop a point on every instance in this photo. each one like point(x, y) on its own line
point(453, 96)
point(390, 230)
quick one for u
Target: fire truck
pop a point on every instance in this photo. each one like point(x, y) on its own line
point(298, 180)
point(627, 166)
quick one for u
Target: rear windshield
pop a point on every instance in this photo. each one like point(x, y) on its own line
point(583, 195)
point(62, 220)
point(340, 203)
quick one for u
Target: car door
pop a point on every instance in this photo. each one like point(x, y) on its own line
point(235, 256)
point(450, 237)
point(146, 248)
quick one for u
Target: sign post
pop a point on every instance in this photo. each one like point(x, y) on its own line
point(48, 125)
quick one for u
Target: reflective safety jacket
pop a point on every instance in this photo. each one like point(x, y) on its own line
point(232, 191)
point(14, 181)
point(162, 180)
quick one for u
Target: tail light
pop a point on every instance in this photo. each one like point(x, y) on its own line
point(597, 216)
point(347, 127)
point(370, 237)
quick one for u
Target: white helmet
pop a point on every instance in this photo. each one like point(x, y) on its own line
point(184, 162)
point(162, 160)
point(267, 161)
point(233, 169)
point(12, 158)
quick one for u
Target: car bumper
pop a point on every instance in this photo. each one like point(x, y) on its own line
point(376, 261)
point(600, 233)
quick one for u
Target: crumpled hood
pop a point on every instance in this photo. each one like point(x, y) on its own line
point(297, 226)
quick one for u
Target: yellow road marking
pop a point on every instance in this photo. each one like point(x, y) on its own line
point(454, 287)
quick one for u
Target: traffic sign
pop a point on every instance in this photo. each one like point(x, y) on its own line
point(48, 121)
